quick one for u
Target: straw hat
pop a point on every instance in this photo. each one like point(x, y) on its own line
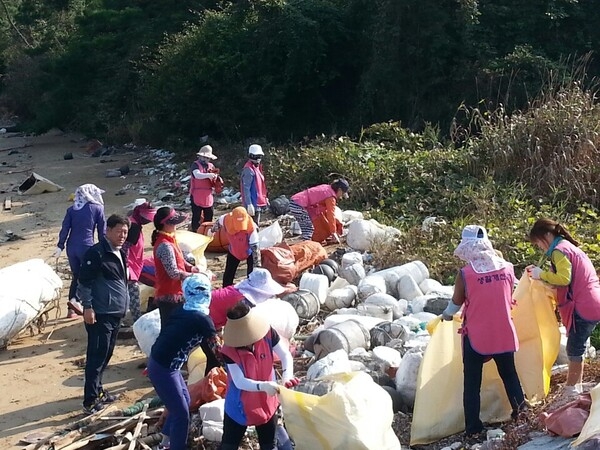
point(207, 152)
point(259, 286)
point(246, 330)
point(237, 220)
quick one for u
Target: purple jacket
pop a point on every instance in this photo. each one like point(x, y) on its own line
point(78, 227)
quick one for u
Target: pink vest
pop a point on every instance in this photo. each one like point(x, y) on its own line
point(259, 185)
point(220, 301)
point(582, 295)
point(311, 199)
point(135, 257)
point(256, 407)
point(486, 313)
point(201, 190)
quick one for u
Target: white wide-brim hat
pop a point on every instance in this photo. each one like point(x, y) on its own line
point(207, 152)
point(259, 286)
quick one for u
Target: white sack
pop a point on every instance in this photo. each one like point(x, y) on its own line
point(146, 329)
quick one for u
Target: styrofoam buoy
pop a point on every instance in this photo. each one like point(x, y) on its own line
point(353, 274)
point(315, 283)
point(388, 355)
point(351, 258)
point(380, 311)
point(408, 288)
point(347, 336)
point(389, 301)
point(341, 298)
point(305, 303)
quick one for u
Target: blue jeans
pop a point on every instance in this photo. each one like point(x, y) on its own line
point(172, 390)
point(473, 370)
point(580, 332)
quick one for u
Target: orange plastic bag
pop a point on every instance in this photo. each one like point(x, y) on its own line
point(220, 240)
point(321, 228)
point(212, 387)
point(307, 254)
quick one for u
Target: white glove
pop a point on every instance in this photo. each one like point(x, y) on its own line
point(57, 253)
point(212, 176)
point(336, 238)
point(250, 209)
point(534, 272)
point(270, 388)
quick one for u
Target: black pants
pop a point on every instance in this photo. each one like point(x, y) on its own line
point(233, 433)
point(200, 215)
point(231, 266)
point(102, 337)
point(473, 369)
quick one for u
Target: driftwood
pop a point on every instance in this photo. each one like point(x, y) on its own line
point(138, 427)
point(152, 439)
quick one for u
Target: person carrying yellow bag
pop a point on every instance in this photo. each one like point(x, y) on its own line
point(484, 289)
point(578, 291)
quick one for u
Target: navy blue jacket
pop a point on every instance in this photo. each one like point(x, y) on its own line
point(103, 280)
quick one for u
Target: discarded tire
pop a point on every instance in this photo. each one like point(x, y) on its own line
point(325, 269)
point(331, 263)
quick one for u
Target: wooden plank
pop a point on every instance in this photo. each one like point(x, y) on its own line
point(7, 204)
point(138, 428)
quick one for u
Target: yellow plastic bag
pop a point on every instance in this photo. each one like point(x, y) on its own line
point(438, 410)
point(194, 243)
point(356, 415)
point(539, 337)
point(196, 365)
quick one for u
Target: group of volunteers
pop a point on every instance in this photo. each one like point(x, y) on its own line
point(233, 334)
point(484, 288)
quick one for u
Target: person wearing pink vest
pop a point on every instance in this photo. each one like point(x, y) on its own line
point(243, 242)
point(143, 213)
point(251, 398)
point(577, 291)
point(203, 174)
point(252, 183)
point(484, 289)
point(318, 203)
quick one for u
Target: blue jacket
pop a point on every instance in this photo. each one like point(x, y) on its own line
point(103, 280)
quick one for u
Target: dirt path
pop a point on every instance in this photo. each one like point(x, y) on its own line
point(41, 379)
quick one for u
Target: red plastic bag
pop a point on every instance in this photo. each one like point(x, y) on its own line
point(568, 420)
point(279, 260)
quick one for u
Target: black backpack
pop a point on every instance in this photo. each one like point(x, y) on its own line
point(280, 205)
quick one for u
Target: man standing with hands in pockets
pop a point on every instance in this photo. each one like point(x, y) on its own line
point(103, 293)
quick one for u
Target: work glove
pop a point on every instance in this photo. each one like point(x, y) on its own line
point(450, 310)
point(291, 382)
point(57, 253)
point(251, 210)
point(336, 238)
point(256, 256)
point(268, 202)
point(212, 176)
point(269, 387)
point(534, 272)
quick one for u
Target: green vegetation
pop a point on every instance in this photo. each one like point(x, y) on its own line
point(485, 111)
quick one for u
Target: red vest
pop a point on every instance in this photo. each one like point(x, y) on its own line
point(583, 293)
point(259, 189)
point(165, 285)
point(201, 190)
point(312, 199)
point(486, 314)
point(251, 408)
